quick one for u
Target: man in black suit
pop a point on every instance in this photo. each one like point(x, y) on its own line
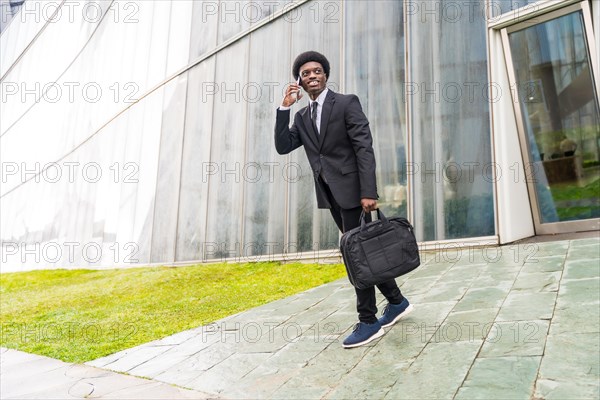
point(336, 137)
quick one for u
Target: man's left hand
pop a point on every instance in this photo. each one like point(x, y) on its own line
point(368, 205)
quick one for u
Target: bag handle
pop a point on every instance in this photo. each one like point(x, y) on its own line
point(380, 216)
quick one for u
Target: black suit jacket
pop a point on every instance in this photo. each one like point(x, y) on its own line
point(343, 151)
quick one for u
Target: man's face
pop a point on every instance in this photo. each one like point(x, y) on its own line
point(313, 78)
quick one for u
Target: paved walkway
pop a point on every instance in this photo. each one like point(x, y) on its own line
point(515, 322)
point(29, 376)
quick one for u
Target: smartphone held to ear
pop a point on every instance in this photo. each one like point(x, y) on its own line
point(295, 95)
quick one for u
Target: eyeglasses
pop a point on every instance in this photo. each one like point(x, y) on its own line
point(306, 72)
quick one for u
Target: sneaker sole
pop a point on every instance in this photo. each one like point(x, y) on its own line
point(403, 314)
point(379, 334)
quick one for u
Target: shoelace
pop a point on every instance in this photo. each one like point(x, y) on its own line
point(385, 310)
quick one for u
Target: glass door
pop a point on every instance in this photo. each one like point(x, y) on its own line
point(552, 64)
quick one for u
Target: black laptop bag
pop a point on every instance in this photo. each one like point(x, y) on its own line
point(380, 250)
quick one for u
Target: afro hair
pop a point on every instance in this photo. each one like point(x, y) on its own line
point(309, 56)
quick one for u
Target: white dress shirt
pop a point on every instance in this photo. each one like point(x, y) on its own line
point(320, 100)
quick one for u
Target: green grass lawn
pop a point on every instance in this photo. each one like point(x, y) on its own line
point(80, 315)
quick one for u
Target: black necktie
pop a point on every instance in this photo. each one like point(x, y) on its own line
point(313, 109)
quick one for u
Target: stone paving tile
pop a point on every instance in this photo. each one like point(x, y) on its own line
point(575, 318)
point(129, 358)
point(17, 357)
point(536, 250)
point(319, 311)
point(45, 378)
point(339, 321)
point(572, 357)
point(410, 335)
point(260, 338)
point(549, 389)
point(377, 371)
point(491, 261)
point(22, 367)
point(453, 360)
point(500, 378)
point(483, 255)
point(313, 340)
point(580, 291)
point(497, 277)
point(586, 242)
point(220, 377)
point(522, 338)
point(134, 359)
point(431, 270)
point(463, 273)
point(537, 282)
point(318, 376)
point(432, 258)
point(580, 269)
point(159, 364)
point(524, 305)
point(194, 366)
point(503, 264)
point(295, 354)
point(544, 264)
point(513, 255)
point(207, 358)
point(263, 381)
point(196, 340)
point(417, 286)
point(477, 298)
point(591, 252)
point(470, 326)
point(444, 291)
point(206, 338)
point(369, 380)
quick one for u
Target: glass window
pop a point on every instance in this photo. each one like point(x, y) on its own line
point(234, 16)
point(448, 94)
point(223, 229)
point(204, 28)
point(195, 163)
point(312, 28)
point(147, 159)
point(128, 192)
point(166, 198)
point(179, 35)
point(257, 10)
point(560, 115)
point(263, 170)
point(375, 72)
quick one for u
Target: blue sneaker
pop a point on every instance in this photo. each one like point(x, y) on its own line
point(393, 312)
point(363, 333)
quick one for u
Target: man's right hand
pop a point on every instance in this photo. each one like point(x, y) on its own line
point(289, 98)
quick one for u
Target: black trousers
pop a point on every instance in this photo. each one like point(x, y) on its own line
point(366, 304)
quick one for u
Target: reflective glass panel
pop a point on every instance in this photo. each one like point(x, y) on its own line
point(448, 91)
point(375, 73)
point(561, 118)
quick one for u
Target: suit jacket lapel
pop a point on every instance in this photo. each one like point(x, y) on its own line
point(309, 126)
point(325, 114)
